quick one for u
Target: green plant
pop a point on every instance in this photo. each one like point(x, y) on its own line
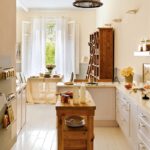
point(50, 52)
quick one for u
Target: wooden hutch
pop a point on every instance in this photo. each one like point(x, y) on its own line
point(101, 63)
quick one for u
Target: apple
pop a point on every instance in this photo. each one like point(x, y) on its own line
point(128, 86)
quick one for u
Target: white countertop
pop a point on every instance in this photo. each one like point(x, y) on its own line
point(100, 84)
point(135, 97)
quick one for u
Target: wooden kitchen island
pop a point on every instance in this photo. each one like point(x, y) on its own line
point(79, 138)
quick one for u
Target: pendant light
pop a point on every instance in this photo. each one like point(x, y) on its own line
point(87, 3)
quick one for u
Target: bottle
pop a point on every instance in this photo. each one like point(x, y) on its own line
point(75, 95)
point(82, 94)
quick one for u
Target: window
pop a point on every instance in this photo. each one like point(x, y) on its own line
point(50, 43)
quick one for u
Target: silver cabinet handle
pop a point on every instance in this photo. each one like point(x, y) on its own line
point(142, 115)
point(141, 125)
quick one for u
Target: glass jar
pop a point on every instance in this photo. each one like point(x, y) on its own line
point(82, 94)
point(141, 45)
point(75, 95)
point(147, 45)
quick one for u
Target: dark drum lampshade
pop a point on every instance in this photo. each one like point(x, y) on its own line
point(87, 3)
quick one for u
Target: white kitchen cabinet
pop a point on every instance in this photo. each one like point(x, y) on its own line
point(18, 110)
point(21, 107)
point(123, 112)
point(143, 129)
point(126, 116)
point(104, 98)
point(133, 124)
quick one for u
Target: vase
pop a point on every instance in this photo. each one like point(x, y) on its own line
point(129, 79)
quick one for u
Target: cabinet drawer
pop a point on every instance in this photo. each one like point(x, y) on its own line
point(141, 143)
point(75, 144)
point(75, 135)
point(124, 109)
point(144, 128)
point(145, 116)
point(124, 124)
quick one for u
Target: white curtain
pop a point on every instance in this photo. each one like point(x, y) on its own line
point(38, 46)
point(34, 54)
point(65, 49)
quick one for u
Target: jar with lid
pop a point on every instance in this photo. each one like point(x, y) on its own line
point(141, 45)
point(147, 45)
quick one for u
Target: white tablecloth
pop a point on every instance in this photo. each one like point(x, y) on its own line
point(42, 90)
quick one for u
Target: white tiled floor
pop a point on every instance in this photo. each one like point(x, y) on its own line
point(39, 133)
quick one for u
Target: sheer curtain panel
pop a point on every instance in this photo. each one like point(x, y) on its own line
point(66, 48)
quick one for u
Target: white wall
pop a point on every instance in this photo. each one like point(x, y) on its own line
point(86, 20)
point(129, 32)
point(7, 59)
point(7, 33)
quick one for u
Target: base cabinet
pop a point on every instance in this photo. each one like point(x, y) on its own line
point(143, 129)
point(21, 107)
point(126, 115)
point(18, 110)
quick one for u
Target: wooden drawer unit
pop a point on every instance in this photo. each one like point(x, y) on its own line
point(79, 138)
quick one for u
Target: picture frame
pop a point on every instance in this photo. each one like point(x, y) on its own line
point(146, 72)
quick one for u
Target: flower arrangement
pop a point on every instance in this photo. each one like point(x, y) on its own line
point(126, 72)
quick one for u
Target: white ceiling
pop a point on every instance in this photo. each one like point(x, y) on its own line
point(47, 4)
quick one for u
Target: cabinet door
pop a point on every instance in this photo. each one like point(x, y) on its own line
point(106, 53)
point(133, 125)
point(23, 113)
point(18, 111)
point(104, 99)
point(123, 112)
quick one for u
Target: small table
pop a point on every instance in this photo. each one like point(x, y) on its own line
point(80, 138)
point(41, 89)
